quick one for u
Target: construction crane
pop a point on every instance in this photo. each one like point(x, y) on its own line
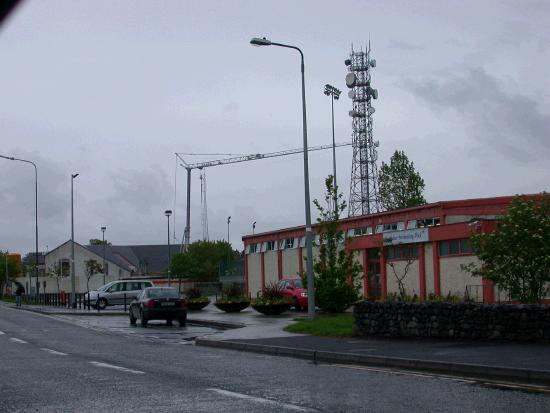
point(236, 159)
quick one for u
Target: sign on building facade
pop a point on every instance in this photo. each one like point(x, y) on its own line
point(409, 236)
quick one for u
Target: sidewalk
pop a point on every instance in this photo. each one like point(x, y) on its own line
point(254, 332)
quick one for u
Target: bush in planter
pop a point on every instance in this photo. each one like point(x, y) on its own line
point(271, 301)
point(195, 299)
point(233, 299)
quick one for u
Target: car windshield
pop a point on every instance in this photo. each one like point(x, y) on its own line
point(162, 293)
point(104, 287)
point(298, 284)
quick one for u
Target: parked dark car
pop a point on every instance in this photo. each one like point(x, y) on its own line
point(293, 288)
point(158, 303)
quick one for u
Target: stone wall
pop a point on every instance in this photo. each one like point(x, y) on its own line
point(453, 321)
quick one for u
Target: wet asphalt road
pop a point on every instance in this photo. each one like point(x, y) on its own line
point(52, 365)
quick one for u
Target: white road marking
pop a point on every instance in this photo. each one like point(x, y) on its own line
point(261, 400)
point(18, 340)
point(112, 366)
point(57, 353)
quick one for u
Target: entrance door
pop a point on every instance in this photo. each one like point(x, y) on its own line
point(374, 275)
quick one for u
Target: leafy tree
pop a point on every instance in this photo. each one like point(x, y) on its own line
point(336, 273)
point(92, 268)
point(202, 259)
point(399, 185)
point(95, 241)
point(58, 271)
point(14, 269)
point(516, 256)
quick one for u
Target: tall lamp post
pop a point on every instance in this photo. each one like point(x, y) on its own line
point(73, 281)
point(168, 212)
point(11, 158)
point(253, 227)
point(309, 263)
point(334, 94)
point(103, 240)
point(228, 221)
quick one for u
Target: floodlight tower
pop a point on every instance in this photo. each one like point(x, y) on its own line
point(363, 197)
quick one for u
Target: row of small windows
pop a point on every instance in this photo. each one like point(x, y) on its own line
point(273, 245)
point(455, 246)
point(395, 226)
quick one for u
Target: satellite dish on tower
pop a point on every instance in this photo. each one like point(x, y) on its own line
point(351, 94)
point(351, 79)
point(373, 63)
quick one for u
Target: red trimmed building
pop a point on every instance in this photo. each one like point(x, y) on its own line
point(425, 246)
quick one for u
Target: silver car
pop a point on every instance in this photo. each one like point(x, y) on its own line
point(116, 293)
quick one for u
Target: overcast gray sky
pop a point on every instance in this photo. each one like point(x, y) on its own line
point(112, 89)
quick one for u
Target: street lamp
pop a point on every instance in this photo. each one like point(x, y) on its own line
point(228, 221)
point(11, 158)
point(73, 281)
point(309, 263)
point(334, 94)
point(168, 212)
point(103, 239)
point(253, 227)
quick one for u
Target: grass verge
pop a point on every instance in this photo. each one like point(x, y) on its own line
point(326, 325)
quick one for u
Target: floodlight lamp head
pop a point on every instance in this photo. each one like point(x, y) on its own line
point(73, 176)
point(347, 62)
point(103, 229)
point(168, 212)
point(257, 41)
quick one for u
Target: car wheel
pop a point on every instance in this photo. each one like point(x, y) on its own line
point(132, 318)
point(182, 321)
point(143, 322)
point(102, 303)
point(296, 305)
point(168, 322)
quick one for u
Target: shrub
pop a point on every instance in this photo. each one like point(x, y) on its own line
point(271, 294)
point(193, 293)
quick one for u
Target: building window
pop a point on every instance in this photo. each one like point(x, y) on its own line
point(270, 246)
point(455, 247)
point(357, 232)
point(402, 252)
point(427, 222)
point(379, 229)
point(253, 248)
point(392, 226)
point(289, 243)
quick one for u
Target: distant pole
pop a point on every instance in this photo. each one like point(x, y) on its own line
point(168, 212)
point(228, 221)
point(187, 231)
point(73, 280)
point(253, 227)
point(334, 94)
point(103, 239)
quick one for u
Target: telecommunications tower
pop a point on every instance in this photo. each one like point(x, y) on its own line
point(363, 197)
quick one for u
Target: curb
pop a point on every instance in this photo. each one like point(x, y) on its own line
point(474, 371)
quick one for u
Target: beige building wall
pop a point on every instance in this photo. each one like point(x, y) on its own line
point(254, 273)
point(271, 268)
point(304, 255)
point(453, 279)
point(411, 280)
point(290, 262)
point(429, 263)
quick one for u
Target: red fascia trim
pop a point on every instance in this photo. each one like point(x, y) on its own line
point(384, 274)
point(422, 271)
point(300, 260)
point(366, 241)
point(365, 273)
point(437, 275)
point(450, 231)
point(246, 275)
point(280, 263)
point(262, 269)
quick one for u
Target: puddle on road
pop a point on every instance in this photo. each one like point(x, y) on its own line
point(156, 330)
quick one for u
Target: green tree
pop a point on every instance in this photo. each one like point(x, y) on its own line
point(14, 269)
point(92, 268)
point(95, 241)
point(516, 256)
point(336, 272)
point(202, 260)
point(58, 271)
point(399, 185)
